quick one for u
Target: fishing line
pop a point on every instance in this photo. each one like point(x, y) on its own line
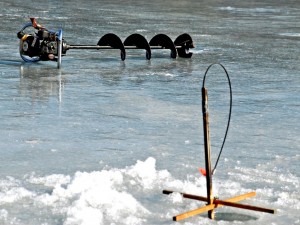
point(229, 114)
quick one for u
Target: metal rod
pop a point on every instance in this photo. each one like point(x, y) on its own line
point(98, 47)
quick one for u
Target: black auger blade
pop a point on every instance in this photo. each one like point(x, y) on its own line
point(165, 42)
point(185, 42)
point(139, 42)
point(113, 41)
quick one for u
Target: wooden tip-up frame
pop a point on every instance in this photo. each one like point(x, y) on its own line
point(212, 202)
point(218, 203)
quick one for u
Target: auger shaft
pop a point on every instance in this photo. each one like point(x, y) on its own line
point(98, 47)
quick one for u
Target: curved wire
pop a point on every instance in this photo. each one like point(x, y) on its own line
point(230, 109)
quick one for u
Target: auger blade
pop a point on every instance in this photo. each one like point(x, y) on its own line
point(165, 42)
point(186, 42)
point(113, 41)
point(140, 42)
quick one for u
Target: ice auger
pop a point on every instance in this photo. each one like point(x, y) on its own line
point(45, 45)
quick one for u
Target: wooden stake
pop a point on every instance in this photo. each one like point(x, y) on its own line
point(195, 197)
point(204, 199)
point(243, 206)
point(207, 151)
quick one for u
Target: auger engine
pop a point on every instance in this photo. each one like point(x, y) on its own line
point(39, 45)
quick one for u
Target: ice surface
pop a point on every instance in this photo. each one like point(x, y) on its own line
point(98, 197)
point(126, 195)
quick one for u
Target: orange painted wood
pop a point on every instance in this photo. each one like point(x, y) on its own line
point(216, 203)
point(194, 212)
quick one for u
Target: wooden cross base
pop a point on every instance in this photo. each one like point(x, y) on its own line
point(217, 203)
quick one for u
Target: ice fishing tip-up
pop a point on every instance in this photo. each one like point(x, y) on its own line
point(213, 202)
